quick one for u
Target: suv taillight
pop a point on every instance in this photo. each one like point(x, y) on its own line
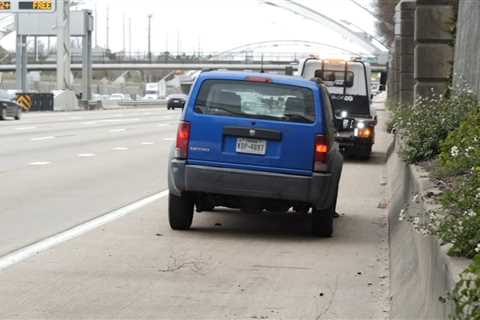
point(322, 147)
point(183, 140)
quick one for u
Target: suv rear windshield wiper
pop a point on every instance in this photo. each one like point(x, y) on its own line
point(296, 117)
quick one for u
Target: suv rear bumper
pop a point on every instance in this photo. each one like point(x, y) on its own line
point(319, 189)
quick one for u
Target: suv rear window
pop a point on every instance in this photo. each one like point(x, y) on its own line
point(237, 98)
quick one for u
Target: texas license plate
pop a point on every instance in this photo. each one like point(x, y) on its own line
point(251, 146)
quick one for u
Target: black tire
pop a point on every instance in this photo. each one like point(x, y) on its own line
point(18, 116)
point(365, 152)
point(180, 211)
point(322, 220)
point(3, 114)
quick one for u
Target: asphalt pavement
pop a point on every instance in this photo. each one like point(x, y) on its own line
point(229, 266)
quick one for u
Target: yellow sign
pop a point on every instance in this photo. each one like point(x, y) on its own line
point(25, 101)
point(42, 5)
point(5, 5)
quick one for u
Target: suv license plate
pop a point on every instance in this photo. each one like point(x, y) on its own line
point(251, 146)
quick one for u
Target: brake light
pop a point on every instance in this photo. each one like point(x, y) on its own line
point(322, 147)
point(183, 140)
point(258, 79)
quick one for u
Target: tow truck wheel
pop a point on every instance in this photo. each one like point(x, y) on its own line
point(180, 211)
point(365, 152)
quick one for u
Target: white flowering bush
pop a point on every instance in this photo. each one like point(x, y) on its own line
point(424, 125)
point(466, 295)
point(459, 224)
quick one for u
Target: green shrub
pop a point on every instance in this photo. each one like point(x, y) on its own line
point(466, 296)
point(461, 149)
point(424, 125)
point(459, 221)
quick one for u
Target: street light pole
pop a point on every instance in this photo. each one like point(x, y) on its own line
point(150, 38)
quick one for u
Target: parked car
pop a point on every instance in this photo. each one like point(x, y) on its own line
point(10, 109)
point(176, 101)
point(349, 84)
point(256, 142)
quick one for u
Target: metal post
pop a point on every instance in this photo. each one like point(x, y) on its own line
point(64, 81)
point(21, 61)
point(150, 38)
point(87, 59)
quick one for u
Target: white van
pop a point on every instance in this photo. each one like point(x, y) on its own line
point(348, 83)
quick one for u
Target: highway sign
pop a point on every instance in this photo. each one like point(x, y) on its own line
point(24, 6)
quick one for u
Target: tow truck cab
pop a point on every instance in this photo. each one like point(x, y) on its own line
point(348, 83)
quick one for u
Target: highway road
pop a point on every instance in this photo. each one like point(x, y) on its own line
point(60, 170)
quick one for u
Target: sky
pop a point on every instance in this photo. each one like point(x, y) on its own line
point(218, 25)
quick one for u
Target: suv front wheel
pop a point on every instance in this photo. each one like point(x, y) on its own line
point(180, 211)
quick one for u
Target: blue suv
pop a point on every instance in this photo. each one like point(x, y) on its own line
point(257, 142)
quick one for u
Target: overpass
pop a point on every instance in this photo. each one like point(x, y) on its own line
point(160, 66)
point(257, 66)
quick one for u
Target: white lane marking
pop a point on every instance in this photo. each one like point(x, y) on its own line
point(120, 149)
point(147, 143)
point(75, 118)
point(25, 128)
point(86, 155)
point(43, 138)
point(169, 139)
point(118, 130)
point(39, 163)
point(120, 120)
point(40, 246)
point(162, 125)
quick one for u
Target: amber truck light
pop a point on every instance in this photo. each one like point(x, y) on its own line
point(322, 147)
point(183, 140)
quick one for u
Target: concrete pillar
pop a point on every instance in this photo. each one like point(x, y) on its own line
point(406, 13)
point(394, 76)
point(433, 52)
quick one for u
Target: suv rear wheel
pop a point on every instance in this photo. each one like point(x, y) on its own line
point(322, 220)
point(180, 211)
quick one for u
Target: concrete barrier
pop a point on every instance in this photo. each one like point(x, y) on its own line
point(422, 273)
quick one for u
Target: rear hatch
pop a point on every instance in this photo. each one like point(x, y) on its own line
point(254, 125)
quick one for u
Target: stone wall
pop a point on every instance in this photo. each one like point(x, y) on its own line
point(467, 58)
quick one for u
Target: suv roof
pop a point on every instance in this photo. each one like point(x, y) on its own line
point(241, 75)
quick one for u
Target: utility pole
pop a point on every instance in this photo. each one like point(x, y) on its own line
point(96, 25)
point(178, 42)
point(130, 36)
point(108, 29)
point(124, 35)
point(150, 38)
